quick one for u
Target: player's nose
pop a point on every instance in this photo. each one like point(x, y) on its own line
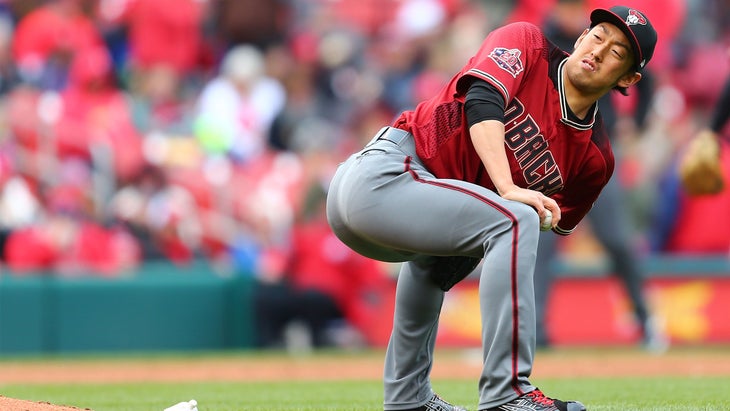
point(596, 55)
point(599, 51)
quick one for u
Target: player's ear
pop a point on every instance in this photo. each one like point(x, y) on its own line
point(580, 38)
point(629, 79)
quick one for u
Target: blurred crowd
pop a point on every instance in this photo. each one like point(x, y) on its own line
point(134, 130)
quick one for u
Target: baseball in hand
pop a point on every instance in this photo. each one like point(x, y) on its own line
point(547, 221)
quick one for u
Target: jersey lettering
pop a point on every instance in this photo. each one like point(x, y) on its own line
point(531, 151)
point(550, 184)
point(513, 111)
point(521, 134)
point(539, 168)
point(527, 153)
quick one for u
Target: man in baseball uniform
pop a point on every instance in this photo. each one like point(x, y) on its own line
point(470, 175)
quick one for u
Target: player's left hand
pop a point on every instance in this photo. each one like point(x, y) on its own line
point(539, 201)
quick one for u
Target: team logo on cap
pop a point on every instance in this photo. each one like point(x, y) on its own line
point(508, 60)
point(635, 17)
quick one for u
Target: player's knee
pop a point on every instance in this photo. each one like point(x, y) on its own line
point(525, 216)
point(518, 216)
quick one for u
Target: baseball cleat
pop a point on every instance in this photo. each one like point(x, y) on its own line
point(437, 403)
point(537, 401)
point(654, 341)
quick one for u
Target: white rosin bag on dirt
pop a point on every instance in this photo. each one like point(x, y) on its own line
point(191, 405)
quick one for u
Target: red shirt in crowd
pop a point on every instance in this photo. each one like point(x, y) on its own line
point(703, 222)
point(57, 27)
point(165, 32)
point(67, 246)
point(320, 261)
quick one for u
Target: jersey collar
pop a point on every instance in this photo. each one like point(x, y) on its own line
point(566, 115)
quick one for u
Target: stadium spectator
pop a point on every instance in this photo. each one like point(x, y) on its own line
point(9, 76)
point(161, 104)
point(161, 32)
point(696, 225)
point(323, 284)
point(236, 108)
point(95, 121)
point(687, 225)
point(163, 216)
point(66, 239)
point(47, 37)
point(259, 23)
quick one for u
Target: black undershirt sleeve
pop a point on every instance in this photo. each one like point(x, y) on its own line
point(483, 102)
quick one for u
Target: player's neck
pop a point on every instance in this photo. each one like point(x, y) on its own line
point(579, 102)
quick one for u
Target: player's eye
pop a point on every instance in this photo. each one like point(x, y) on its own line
point(617, 53)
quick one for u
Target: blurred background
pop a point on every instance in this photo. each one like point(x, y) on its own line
point(164, 165)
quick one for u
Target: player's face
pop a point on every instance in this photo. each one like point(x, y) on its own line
point(602, 59)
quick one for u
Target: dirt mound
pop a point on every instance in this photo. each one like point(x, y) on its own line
point(12, 404)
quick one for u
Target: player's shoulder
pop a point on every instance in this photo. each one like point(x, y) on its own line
point(522, 28)
point(521, 35)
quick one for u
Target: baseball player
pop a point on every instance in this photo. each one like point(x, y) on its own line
point(513, 142)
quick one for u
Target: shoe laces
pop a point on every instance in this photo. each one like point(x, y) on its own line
point(538, 397)
point(439, 404)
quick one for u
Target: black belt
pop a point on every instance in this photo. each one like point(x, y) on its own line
point(392, 134)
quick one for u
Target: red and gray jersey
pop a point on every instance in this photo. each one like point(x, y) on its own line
point(549, 149)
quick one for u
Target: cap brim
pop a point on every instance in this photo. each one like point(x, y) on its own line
point(607, 16)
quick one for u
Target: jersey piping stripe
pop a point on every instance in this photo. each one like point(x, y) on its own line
point(493, 80)
point(513, 262)
point(560, 231)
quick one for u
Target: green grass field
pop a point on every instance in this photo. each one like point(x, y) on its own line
point(675, 393)
point(636, 394)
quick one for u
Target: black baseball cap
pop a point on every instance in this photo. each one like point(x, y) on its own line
point(635, 25)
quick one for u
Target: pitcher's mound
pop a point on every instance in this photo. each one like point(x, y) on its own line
point(11, 404)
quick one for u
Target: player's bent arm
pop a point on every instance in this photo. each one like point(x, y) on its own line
point(488, 140)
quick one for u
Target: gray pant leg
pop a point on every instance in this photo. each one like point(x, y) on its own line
point(544, 278)
point(409, 357)
point(385, 205)
point(611, 224)
point(507, 310)
point(507, 303)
